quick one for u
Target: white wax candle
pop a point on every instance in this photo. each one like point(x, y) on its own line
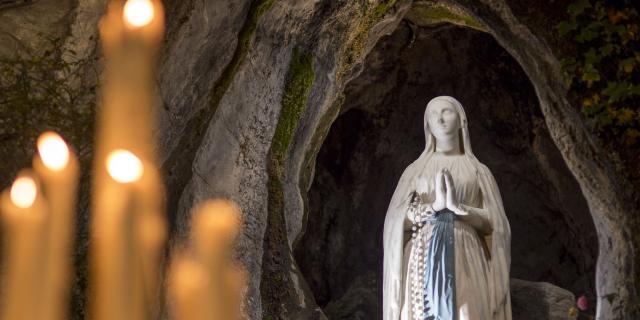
point(57, 167)
point(23, 219)
point(205, 283)
point(128, 215)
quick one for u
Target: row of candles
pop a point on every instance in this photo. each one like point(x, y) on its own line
point(128, 231)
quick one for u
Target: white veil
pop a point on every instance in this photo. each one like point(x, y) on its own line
point(394, 239)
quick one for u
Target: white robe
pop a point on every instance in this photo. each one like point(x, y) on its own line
point(471, 258)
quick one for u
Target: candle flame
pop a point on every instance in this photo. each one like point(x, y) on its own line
point(138, 13)
point(124, 167)
point(53, 151)
point(23, 192)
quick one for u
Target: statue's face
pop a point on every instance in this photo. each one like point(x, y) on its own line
point(443, 119)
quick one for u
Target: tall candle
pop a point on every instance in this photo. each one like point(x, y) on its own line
point(189, 289)
point(128, 217)
point(57, 167)
point(205, 282)
point(23, 220)
point(150, 234)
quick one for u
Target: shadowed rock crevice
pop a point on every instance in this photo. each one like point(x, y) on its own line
point(379, 132)
point(178, 166)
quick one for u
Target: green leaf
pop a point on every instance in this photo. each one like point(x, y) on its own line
point(627, 65)
point(592, 56)
point(590, 75)
point(569, 64)
point(632, 135)
point(600, 11)
point(592, 31)
point(606, 50)
point(621, 30)
point(604, 119)
point(565, 27)
point(625, 116)
point(578, 7)
point(616, 91)
point(589, 110)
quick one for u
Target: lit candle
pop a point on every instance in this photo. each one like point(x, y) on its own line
point(215, 226)
point(135, 225)
point(189, 288)
point(23, 216)
point(205, 282)
point(57, 168)
point(128, 223)
point(235, 280)
point(150, 233)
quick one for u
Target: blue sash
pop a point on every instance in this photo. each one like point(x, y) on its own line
point(440, 282)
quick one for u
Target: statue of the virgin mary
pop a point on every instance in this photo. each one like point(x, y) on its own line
point(446, 237)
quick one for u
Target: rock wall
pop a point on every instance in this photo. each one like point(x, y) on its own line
point(243, 150)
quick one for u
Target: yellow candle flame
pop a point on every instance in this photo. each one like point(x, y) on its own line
point(53, 151)
point(124, 167)
point(23, 192)
point(138, 13)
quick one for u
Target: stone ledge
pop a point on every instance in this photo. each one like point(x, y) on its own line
point(539, 300)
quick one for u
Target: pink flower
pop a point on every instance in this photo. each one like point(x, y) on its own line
point(582, 303)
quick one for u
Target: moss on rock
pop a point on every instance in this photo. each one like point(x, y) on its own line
point(431, 12)
point(294, 100)
point(275, 285)
point(353, 50)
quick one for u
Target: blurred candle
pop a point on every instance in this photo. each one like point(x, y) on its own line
point(215, 226)
point(58, 170)
point(23, 220)
point(150, 236)
point(205, 281)
point(128, 226)
point(189, 289)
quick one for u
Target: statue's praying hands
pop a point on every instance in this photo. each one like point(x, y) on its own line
point(445, 194)
point(474, 216)
point(441, 192)
point(452, 202)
